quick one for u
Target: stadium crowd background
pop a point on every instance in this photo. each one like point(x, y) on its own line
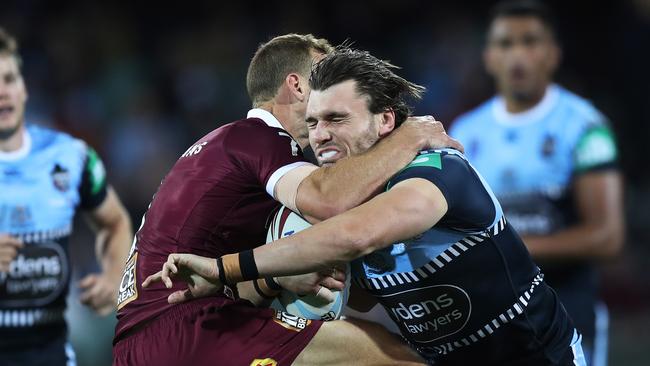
point(142, 81)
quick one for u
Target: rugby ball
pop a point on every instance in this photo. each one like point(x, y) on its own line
point(285, 223)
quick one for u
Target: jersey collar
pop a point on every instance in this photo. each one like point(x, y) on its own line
point(21, 152)
point(265, 116)
point(539, 111)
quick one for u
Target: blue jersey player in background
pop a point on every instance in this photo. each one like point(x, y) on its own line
point(550, 158)
point(45, 178)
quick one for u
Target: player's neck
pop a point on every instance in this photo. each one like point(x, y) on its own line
point(13, 142)
point(518, 104)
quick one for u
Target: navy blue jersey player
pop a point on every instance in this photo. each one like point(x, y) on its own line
point(434, 249)
point(45, 178)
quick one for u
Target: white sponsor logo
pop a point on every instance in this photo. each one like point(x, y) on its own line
point(429, 313)
point(194, 149)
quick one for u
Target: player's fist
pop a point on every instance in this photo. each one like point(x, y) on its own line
point(99, 292)
point(8, 250)
point(429, 133)
point(315, 283)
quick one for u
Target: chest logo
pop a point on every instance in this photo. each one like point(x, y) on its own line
point(60, 178)
point(36, 277)
point(430, 313)
point(548, 147)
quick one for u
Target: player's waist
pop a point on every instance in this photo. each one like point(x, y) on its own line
point(27, 318)
point(133, 318)
point(44, 234)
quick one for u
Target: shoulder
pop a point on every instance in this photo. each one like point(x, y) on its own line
point(581, 109)
point(443, 166)
point(44, 138)
point(252, 132)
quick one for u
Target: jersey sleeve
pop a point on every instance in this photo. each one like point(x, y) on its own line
point(469, 203)
point(92, 189)
point(595, 149)
point(273, 154)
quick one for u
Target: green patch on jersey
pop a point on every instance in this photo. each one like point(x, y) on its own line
point(96, 171)
point(595, 147)
point(432, 160)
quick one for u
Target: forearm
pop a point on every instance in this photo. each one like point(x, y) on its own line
point(408, 209)
point(578, 242)
point(248, 292)
point(112, 246)
point(329, 191)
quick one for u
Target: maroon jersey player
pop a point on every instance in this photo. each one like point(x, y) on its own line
point(216, 200)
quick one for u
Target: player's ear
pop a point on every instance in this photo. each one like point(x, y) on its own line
point(386, 122)
point(296, 86)
point(555, 57)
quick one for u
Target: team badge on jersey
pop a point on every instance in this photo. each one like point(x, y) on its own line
point(548, 147)
point(291, 322)
point(128, 288)
point(60, 178)
point(264, 362)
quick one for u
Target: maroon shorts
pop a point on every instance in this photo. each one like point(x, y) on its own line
point(214, 332)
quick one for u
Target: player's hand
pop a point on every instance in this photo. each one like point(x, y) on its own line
point(8, 251)
point(199, 274)
point(99, 292)
point(430, 133)
point(320, 284)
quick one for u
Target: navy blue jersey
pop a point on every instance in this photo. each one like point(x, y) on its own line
point(42, 185)
point(466, 291)
point(531, 160)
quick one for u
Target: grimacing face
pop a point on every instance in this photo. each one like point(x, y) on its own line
point(521, 55)
point(340, 124)
point(13, 96)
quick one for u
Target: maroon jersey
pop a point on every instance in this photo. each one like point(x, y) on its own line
point(214, 201)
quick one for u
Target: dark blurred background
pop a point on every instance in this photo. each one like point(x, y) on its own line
point(141, 81)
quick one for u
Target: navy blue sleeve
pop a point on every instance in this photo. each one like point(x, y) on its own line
point(470, 205)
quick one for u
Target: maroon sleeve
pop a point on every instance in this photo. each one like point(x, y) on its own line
point(266, 152)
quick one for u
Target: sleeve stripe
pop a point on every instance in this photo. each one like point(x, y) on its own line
point(279, 173)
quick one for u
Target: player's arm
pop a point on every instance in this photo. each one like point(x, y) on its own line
point(600, 230)
point(321, 193)
point(411, 207)
point(113, 234)
point(261, 292)
point(408, 209)
point(598, 192)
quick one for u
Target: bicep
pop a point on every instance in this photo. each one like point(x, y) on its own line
point(108, 213)
point(286, 189)
point(408, 209)
point(599, 197)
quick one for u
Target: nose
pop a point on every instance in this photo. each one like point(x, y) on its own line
point(320, 134)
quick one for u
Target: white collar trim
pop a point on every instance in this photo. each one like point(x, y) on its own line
point(532, 115)
point(21, 152)
point(265, 116)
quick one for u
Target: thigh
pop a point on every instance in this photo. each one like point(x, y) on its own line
point(232, 335)
point(356, 342)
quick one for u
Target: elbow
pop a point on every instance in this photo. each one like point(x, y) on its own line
point(355, 241)
point(614, 244)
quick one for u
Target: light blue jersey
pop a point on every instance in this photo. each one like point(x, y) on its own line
point(531, 160)
point(41, 187)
